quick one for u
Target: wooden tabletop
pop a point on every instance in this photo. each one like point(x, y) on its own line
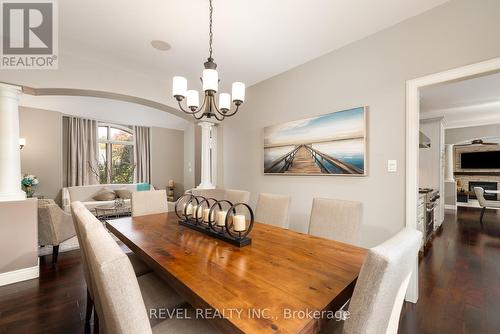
point(265, 287)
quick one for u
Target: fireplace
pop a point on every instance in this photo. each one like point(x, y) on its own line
point(486, 186)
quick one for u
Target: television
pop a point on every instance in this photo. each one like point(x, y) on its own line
point(480, 160)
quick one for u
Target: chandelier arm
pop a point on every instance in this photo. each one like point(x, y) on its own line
point(233, 113)
point(217, 111)
point(198, 117)
point(189, 112)
point(224, 115)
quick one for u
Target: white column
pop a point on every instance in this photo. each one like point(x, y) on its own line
point(10, 158)
point(450, 161)
point(206, 165)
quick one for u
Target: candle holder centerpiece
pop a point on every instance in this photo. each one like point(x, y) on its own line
point(218, 219)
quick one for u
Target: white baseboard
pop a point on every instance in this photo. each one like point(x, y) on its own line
point(450, 207)
point(20, 275)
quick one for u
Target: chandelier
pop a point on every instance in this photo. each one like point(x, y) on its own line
point(210, 82)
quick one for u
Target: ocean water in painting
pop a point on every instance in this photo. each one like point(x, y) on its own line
point(328, 144)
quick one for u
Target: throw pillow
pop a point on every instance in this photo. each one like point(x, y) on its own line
point(105, 195)
point(123, 193)
point(143, 187)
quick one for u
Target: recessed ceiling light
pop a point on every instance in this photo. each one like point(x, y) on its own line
point(160, 45)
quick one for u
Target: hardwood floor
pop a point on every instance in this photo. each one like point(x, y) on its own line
point(459, 282)
point(53, 303)
point(459, 278)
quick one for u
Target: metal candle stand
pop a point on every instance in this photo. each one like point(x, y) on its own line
point(196, 221)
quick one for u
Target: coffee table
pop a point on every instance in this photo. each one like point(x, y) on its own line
point(107, 211)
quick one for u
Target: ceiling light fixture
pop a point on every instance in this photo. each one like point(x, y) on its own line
point(160, 45)
point(210, 84)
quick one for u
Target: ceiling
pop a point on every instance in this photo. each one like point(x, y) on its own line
point(105, 45)
point(469, 102)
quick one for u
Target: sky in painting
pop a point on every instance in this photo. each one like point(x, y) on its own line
point(334, 126)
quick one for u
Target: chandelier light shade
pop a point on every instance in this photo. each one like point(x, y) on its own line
point(179, 86)
point(210, 84)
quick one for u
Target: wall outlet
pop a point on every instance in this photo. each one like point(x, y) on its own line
point(392, 166)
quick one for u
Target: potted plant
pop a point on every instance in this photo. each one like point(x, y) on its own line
point(28, 182)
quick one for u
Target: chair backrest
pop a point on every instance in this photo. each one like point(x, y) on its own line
point(54, 225)
point(237, 196)
point(336, 219)
point(480, 196)
point(46, 231)
point(376, 303)
point(217, 193)
point(149, 202)
point(232, 195)
point(84, 222)
point(123, 309)
point(273, 209)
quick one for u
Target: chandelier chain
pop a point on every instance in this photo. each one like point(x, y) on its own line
point(210, 35)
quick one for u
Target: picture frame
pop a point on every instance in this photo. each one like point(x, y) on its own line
point(332, 144)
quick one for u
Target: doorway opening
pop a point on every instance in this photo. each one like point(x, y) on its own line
point(413, 92)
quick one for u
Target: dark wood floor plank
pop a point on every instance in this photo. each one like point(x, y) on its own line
point(459, 278)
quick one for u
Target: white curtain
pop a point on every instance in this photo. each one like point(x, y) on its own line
point(80, 141)
point(142, 154)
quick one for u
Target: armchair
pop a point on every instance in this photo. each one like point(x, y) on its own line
point(54, 226)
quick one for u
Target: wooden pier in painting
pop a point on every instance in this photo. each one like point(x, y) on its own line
point(304, 159)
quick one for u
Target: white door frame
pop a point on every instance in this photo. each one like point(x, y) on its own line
point(412, 129)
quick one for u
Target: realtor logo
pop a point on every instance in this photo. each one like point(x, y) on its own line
point(29, 34)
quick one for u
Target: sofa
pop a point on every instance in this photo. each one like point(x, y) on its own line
point(85, 194)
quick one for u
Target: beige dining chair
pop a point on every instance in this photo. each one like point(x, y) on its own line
point(484, 203)
point(149, 202)
point(378, 297)
point(155, 292)
point(54, 226)
point(273, 209)
point(122, 305)
point(232, 195)
point(237, 196)
point(336, 219)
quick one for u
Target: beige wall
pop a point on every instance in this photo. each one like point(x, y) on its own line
point(42, 154)
point(371, 72)
point(19, 235)
point(167, 158)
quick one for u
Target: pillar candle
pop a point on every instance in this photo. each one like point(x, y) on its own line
point(205, 215)
point(189, 209)
point(221, 218)
point(239, 223)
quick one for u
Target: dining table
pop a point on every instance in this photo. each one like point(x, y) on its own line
point(283, 282)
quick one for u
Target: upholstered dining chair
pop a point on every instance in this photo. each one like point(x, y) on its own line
point(484, 203)
point(273, 209)
point(336, 219)
point(377, 299)
point(237, 196)
point(122, 305)
point(232, 195)
point(54, 226)
point(154, 291)
point(149, 202)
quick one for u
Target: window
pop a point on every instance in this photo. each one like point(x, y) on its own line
point(116, 154)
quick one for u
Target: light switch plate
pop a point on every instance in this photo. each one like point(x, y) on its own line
point(392, 166)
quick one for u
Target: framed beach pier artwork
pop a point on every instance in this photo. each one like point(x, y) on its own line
point(331, 144)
